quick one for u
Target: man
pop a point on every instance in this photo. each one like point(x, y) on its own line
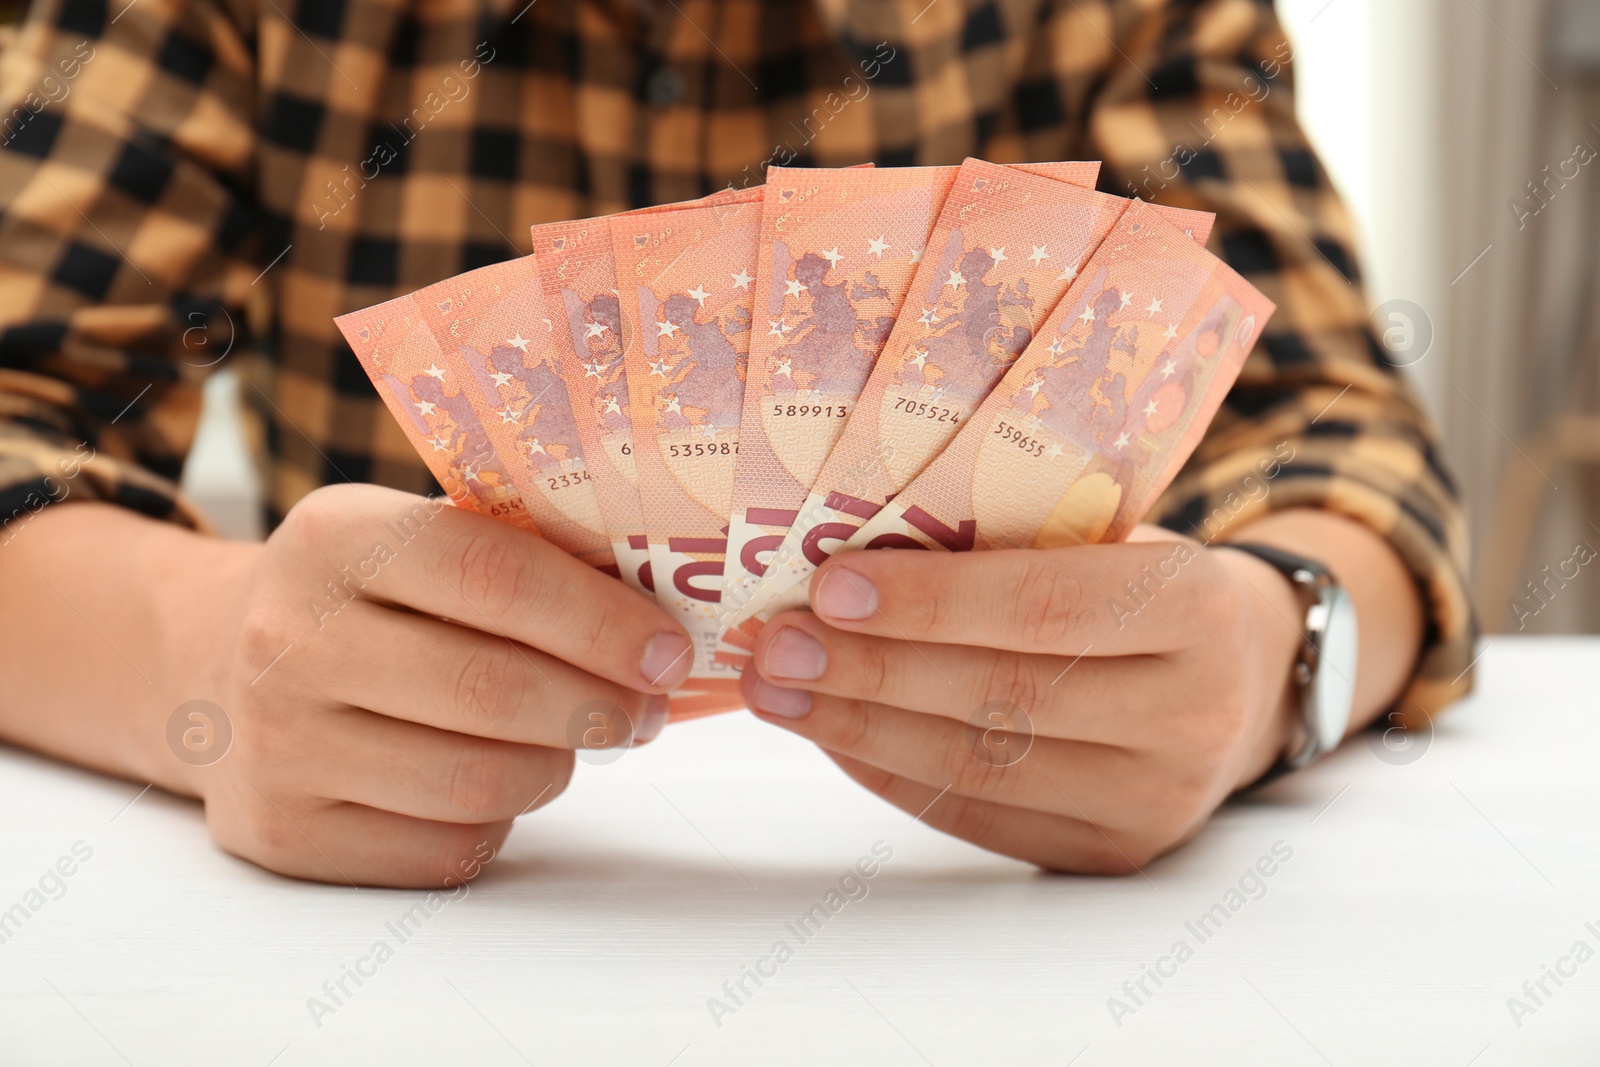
point(187, 179)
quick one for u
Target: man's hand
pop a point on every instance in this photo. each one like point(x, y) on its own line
point(390, 723)
point(1084, 708)
point(399, 675)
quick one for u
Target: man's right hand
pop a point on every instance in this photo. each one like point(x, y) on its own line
point(402, 678)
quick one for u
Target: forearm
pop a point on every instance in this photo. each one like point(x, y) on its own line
point(105, 631)
point(1388, 606)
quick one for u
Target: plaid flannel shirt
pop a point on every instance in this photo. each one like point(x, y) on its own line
point(191, 182)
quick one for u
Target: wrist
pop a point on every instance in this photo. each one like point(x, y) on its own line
point(1277, 727)
point(115, 621)
point(199, 585)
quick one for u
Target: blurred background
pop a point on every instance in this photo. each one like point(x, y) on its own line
point(1463, 135)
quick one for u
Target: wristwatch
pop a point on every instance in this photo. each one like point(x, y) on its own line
point(1324, 675)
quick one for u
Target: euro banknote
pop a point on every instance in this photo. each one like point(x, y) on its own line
point(1096, 417)
point(685, 277)
point(709, 398)
point(465, 367)
point(838, 250)
point(1004, 250)
point(577, 263)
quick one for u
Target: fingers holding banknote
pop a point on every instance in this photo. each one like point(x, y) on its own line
point(404, 681)
point(1115, 694)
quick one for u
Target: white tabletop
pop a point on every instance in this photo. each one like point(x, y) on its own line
point(1422, 891)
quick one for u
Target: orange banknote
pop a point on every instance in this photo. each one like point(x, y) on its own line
point(1095, 419)
point(1006, 247)
point(685, 276)
point(494, 326)
point(838, 251)
point(579, 268)
point(709, 398)
point(430, 397)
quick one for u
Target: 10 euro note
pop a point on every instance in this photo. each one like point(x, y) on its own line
point(406, 364)
point(1006, 247)
point(578, 265)
point(837, 254)
point(494, 327)
point(685, 277)
point(579, 270)
point(1095, 419)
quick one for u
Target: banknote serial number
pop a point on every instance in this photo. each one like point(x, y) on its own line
point(706, 448)
point(566, 481)
point(1023, 440)
point(825, 411)
point(922, 410)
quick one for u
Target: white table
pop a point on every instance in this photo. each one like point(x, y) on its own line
point(1419, 897)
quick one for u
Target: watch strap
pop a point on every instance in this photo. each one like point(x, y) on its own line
point(1306, 575)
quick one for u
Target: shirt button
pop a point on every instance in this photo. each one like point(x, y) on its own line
point(664, 87)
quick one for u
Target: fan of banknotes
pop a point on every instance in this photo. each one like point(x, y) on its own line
point(708, 399)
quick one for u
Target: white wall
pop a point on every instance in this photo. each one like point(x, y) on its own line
point(1366, 89)
point(1333, 76)
point(219, 474)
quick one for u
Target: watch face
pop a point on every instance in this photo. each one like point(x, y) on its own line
point(1336, 678)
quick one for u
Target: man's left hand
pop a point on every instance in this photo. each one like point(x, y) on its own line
point(1085, 709)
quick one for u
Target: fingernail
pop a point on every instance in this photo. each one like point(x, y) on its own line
point(667, 660)
point(794, 653)
point(787, 703)
point(652, 719)
point(846, 595)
